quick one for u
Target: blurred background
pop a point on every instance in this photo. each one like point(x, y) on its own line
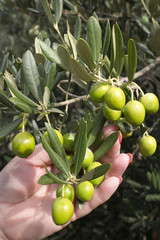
point(133, 212)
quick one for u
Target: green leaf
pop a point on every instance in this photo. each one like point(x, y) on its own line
point(54, 177)
point(98, 121)
point(57, 160)
point(84, 52)
point(45, 180)
point(88, 176)
point(106, 66)
point(132, 60)
point(55, 142)
point(107, 38)
point(124, 126)
point(113, 49)
point(100, 170)
point(80, 72)
point(20, 95)
point(58, 9)
point(4, 64)
point(88, 119)
point(50, 76)
point(49, 53)
point(77, 28)
point(72, 41)
point(94, 37)
point(5, 100)
point(119, 61)
point(70, 126)
point(152, 197)
point(20, 105)
point(10, 79)
point(64, 57)
point(31, 75)
point(106, 145)
point(7, 129)
point(47, 10)
point(46, 97)
point(80, 145)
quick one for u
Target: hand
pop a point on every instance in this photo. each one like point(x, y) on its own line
point(25, 205)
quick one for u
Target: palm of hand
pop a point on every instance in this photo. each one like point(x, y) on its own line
point(26, 206)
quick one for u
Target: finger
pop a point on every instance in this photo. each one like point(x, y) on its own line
point(119, 165)
point(101, 195)
point(115, 150)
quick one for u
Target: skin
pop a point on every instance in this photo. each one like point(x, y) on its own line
point(25, 206)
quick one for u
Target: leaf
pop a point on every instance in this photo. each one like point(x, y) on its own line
point(58, 9)
point(106, 145)
point(4, 64)
point(49, 53)
point(20, 95)
point(106, 66)
point(125, 127)
point(88, 176)
point(10, 79)
point(152, 197)
point(5, 100)
point(55, 142)
point(80, 144)
point(55, 158)
point(54, 177)
point(119, 61)
point(46, 97)
point(132, 60)
point(31, 75)
point(50, 76)
point(45, 180)
point(47, 10)
point(1, 81)
point(64, 57)
point(77, 28)
point(98, 121)
point(94, 37)
point(72, 41)
point(113, 49)
point(22, 106)
point(80, 72)
point(107, 38)
point(100, 170)
point(85, 53)
point(88, 119)
point(70, 126)
point(7, 129)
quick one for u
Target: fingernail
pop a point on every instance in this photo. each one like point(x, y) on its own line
point(130, 157)
point(120, 179)
point(120, 137)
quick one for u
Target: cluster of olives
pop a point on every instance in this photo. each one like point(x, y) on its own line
point(23, 145)
point(133, 111)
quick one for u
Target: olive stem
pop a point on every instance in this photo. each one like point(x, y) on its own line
point(23, 123)
point(47, 118)
point(138, 87)
point(131, 92)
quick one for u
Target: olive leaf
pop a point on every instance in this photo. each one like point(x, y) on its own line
point(47, 11)
point(49, 53)
point(85, 53)
point(57, 160)
point(64, 57)
point(20, 95)
point(107, 38)
point(94, 37)
point(55, 141)
point(4, 99)
point(100, 170)
point(54, 177)
point(72, 41)
point(77, 28)
point(7, 129)
point(10, 79)
point(106, 145)
point(50, 76)
point(132, 60)
point(45, 180)
point(58, 10)
point(87, 176)
point(31, 75)
point(98, 121)
point(22, 106)
point(46, 97)
point(80, 145)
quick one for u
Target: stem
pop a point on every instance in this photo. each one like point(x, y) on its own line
point(131, 92)
point(139, 88)
point(47, 118)
point(23, 123)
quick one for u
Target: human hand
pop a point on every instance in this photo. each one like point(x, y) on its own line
point(25, 205)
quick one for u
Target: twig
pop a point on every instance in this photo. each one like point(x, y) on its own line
point(84, 97)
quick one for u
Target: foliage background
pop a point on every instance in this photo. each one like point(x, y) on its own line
point(129, 214)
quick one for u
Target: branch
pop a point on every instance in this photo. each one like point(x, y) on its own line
point(84, 97)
